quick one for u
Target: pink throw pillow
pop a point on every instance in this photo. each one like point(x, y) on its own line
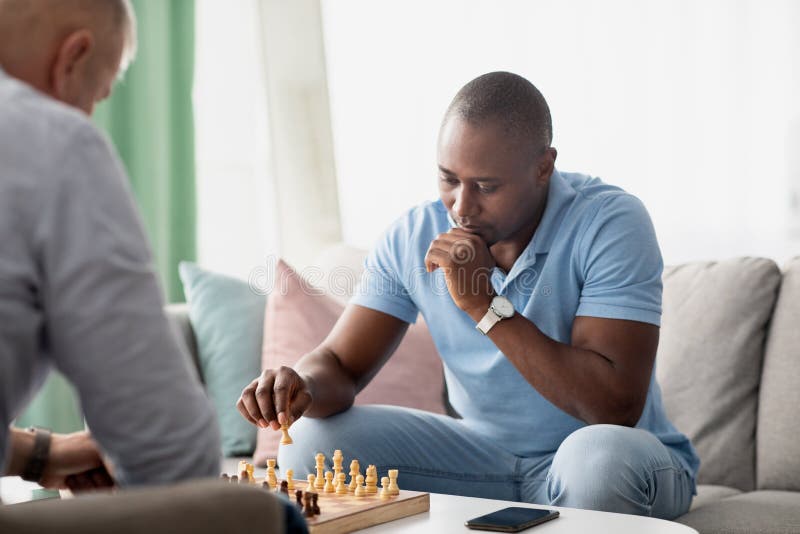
point(299, 317)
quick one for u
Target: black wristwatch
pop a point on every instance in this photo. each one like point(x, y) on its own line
point(34, 469)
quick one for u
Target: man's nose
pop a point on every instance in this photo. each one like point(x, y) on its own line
point(465, 205)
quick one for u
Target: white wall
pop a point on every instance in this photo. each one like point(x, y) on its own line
point(694, 106)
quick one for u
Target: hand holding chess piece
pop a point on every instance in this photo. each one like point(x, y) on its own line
point(276, 399)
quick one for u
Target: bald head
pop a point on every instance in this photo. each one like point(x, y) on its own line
point(507, 100)
point(67, 47)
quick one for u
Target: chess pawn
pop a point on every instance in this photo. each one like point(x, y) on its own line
point(385, 489)
point(290, 478)
point(251, 472)
point(244, 476)
point(341, 487)
point(286, 439)
point(272, 477)
point(311, 482)
point(224, 477)
point(234, 479)
point(372, 480)
point(329, 483)
point(361, 491)
point(394, 489)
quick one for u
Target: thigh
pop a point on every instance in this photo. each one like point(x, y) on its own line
point(433, 452)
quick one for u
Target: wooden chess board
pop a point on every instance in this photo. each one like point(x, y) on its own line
point(348, 513)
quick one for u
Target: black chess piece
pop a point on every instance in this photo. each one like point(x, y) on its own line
point(314, 500)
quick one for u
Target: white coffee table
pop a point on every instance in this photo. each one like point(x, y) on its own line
point(448, 514)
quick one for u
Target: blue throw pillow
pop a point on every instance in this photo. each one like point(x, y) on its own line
point(228, 321)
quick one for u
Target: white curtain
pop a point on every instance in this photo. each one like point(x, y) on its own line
point(265, 172)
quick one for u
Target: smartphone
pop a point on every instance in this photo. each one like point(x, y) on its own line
point(513, 519)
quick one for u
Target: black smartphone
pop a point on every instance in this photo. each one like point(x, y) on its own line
point(513, 519)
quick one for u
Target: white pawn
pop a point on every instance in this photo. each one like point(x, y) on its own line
point(311, 481)
point(385, 489)
point(341, 487)
point(290, 479)
point(329, 482)
point(272, 477)
point(361, 491)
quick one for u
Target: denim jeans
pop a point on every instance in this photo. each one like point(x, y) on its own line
point(599, 467)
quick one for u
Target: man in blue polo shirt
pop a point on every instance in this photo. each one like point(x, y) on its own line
point(542, 291)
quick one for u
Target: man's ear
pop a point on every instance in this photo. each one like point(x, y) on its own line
point(71, 58)
point(546, 164)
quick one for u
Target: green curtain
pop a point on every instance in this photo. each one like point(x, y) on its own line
point(55, 407)
point(150, 120)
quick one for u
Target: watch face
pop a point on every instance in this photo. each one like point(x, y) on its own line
point(503, 307)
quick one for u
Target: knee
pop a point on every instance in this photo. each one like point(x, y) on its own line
point(597, 468)
point(599, 447)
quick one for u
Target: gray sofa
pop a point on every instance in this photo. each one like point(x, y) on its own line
point(729, 368)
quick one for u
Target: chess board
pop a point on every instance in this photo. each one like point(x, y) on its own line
point(348, 513)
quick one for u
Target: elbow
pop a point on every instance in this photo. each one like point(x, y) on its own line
point(624, 412)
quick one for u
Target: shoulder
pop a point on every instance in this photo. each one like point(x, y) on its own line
point(598, 203)
point(419, 223)
point(43, 140)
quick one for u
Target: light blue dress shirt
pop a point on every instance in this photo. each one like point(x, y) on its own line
point(594, 254)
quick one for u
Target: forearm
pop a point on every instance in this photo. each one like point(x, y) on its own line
point(581, 382)
point(21, 448)
point(331, 388)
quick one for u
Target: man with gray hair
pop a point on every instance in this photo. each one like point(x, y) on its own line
point(77, 288)
point(78, 293)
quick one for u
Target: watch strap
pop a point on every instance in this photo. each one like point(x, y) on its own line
point(37, 461)
point(488, 321)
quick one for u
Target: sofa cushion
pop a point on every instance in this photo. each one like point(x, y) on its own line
point(178, 317)
point(764, 512)
point(227, 318)
point(778, 452)
point(709, 359)
point(300, 316)
point(707, 494)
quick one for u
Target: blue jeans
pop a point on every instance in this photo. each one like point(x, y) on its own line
point(599, 467)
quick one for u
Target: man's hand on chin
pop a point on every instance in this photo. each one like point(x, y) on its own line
point(467, 264)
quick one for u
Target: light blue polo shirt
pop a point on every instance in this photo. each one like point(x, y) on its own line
point(594, 254)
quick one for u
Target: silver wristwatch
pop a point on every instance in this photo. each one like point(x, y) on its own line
point(500, 308)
